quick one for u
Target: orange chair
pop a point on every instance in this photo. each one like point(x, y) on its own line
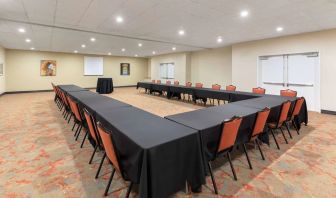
point(296, 111)
point(288, 93)
point(231, 88)
point(199, 85)
point(215, 87)
point(66, 106)
point(259, 126)
point(112, 156)
point(188, 84)
point(158, 81)
point(259, 90)
point(56, 98)
point(168, 82)
point(176, 82)
point(281, 121)
point(225, 144)
point(92, 129)
point(77, 116)
point(153, 81)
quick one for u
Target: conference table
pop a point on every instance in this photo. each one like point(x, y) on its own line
point(158, 154)
point(71, 88)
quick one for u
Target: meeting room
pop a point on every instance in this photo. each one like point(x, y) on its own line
point(167, 98)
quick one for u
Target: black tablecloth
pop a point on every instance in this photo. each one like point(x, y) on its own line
point(159, 154)
point(209, 121)
point(71, 88)
point(104, 85)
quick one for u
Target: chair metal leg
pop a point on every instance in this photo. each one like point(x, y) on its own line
point(283, 134)
point(94, 152)
point(84, 138)
point(80, 130)
point(129, 190)
point(100, 165)
point(232, 168)
point(109, 183)
point(69, 118)
point(73, 126)
point(276, 142)
point(77, 130)
point(247, 157)
point(212, 178)
point(296, 128)
point(258, 144)
point(290, 135)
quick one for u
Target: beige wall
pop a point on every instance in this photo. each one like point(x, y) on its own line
point(3, 77)
point(211, 66)
point(180, 69)
point(245, 55)
point(23, 70)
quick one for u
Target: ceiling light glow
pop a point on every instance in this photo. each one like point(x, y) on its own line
point(28, 40)
point(83, 46)
point(174, 48)
point(119, 19)
point(92, 39)
point(22, 30)
point(279, 29)
point(181, 32)
point(219, 39)
point(244, 13)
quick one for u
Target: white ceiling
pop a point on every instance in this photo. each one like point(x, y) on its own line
point(63, 25)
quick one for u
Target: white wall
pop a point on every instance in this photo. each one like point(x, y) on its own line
point(212, 66)
point(180, 71)
point(245, 55)
point(2, 78)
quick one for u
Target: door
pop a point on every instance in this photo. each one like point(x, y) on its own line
point(299, 72)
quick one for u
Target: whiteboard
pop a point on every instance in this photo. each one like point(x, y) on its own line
point(301, 69)
point(272, 69)
point(93, 66)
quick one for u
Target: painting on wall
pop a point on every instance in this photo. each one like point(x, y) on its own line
point(125, 69)
point(1, 69)
point(48, 68)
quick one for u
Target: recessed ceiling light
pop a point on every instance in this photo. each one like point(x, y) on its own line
point(181, 32)
point(92, 39)
point(32, 48)
point(119, 19)
point(109, 53)
point(219, 39)
point(140, 44)
point(75, 51)
point(83, 46)
point(174, 48)
point(22, 30)
point(153, 52)
point(244, 13)
point(28, 40)
point(136, 55)
point(123, 49)
point(279, 29)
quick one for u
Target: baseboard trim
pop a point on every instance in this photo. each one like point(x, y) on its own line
point(328, 112)
point(3, 93)
point(48, 90)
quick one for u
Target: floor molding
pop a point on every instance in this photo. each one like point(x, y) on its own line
point(328, 112)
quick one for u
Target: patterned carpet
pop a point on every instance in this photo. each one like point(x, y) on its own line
point(40, 158)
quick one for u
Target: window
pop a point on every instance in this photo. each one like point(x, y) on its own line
point(167, 70)
point(93, 66)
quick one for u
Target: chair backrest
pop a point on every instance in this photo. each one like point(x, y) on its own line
point(260, 122)
point(109, 146)
point(199, 85)
point(216, 87)
point(259, 90)
point(153, 81)
point(176, 82)
point(288, 93)
point(168, 82)
point(297, 107)
point(158, 81)
point(284, 112)
point(74, 108)
point(230, 88)
point(229, 133)
point(188, 84)
point(64, 98)
point(91, 125)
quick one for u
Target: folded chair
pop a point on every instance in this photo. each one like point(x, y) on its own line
point(288, 93)
point(215, 87)
point(77, 117)
point(259, 90)
point(112, 157)
point(296, 111)
point(225, 145)
point(280, 122)
point(231, 88)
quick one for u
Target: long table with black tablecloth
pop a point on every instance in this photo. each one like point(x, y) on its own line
point(232, 96)
point(158, 154)
point(104, 85)
point(208, 122)
point(71, 88)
